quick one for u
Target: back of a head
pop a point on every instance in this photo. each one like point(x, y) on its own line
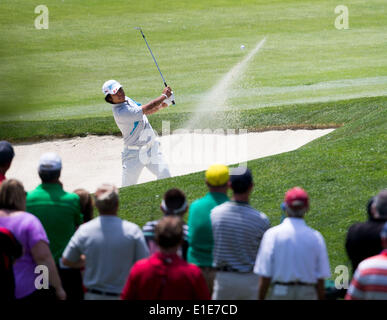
point(381, 204)
point(6, 153)
point(241, 180)
point(174, 202)
point(50, 166)
point(217, 176)
point(87, 204)
point(169, 232)
point(296, 202)
point(107, 199)
point(371, 208)
point(12, 195)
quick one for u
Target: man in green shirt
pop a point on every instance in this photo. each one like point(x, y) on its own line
point(60, 215)
point(200, 236)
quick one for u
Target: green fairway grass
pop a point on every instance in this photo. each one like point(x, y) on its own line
point(58, 73)
point(308, 116)
point(340, 171)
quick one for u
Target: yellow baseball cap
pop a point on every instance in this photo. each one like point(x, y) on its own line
point(217, 175)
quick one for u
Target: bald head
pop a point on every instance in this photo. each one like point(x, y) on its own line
point(381, 204)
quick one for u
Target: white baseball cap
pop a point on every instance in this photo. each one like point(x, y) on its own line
point(50, 161)
point(111, 87)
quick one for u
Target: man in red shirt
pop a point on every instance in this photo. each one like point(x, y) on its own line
point(166, 276)
point(6, 156)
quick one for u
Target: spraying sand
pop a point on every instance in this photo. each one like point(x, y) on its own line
point(90, 161)
point(216, 99)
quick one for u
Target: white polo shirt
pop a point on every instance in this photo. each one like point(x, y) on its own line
point(291, 252)
point(133, 123)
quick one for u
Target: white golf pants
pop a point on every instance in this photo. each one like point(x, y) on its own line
point(133, 161)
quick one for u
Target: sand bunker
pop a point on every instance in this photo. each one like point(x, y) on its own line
point(92, 160)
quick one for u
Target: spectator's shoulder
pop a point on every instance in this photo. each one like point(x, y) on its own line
point(193, 269)
point(71, 196)
point(370, 260)
point(263, 216)
point(130, 225)
point(368, 263)
point(139, 267)
point(131, 228)
point(71, 199)
point(197, 203)
point(29, 218)
point(86, 229)
point(141, 263)
point(93, 223)
point(32, 194)
point(317, 234)
point(273, 231)
point(221, 207)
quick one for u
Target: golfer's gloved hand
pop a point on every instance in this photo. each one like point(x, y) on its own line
point(167, 91)
point(169, 100)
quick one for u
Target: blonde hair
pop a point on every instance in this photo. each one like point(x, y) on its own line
point(12, 195)
point(106, 199)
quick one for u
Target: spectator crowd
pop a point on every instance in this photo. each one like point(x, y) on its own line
point(227, 250)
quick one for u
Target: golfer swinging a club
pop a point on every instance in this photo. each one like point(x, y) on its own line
point(140, 146)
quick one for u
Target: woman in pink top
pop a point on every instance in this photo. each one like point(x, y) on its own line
point(30, 233)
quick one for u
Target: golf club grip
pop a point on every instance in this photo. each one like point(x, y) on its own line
point(173, 101)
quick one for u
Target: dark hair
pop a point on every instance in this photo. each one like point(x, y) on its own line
point(49, 176)
point(87, 204)
point(240, 187)
point(108, 99)
point(174, 199)
point(381, 203)
point(370, 203)
point(4, 163)
point(6, 153)
point(241, 179)
point(169, 232)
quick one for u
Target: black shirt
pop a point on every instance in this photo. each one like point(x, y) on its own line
point(10, 250)
point(363, 241)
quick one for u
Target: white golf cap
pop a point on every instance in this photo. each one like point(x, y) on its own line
point(111, 87)
point(50, 161)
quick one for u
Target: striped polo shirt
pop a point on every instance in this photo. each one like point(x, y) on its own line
point(370, 279)
point(238, 230)
point(149, 233)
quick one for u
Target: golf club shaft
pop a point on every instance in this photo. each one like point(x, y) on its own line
point(154, 59)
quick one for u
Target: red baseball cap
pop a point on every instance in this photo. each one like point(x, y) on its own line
point(296, 198)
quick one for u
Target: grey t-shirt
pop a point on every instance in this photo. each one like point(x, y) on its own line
point(111, 246)
point(133, 123)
